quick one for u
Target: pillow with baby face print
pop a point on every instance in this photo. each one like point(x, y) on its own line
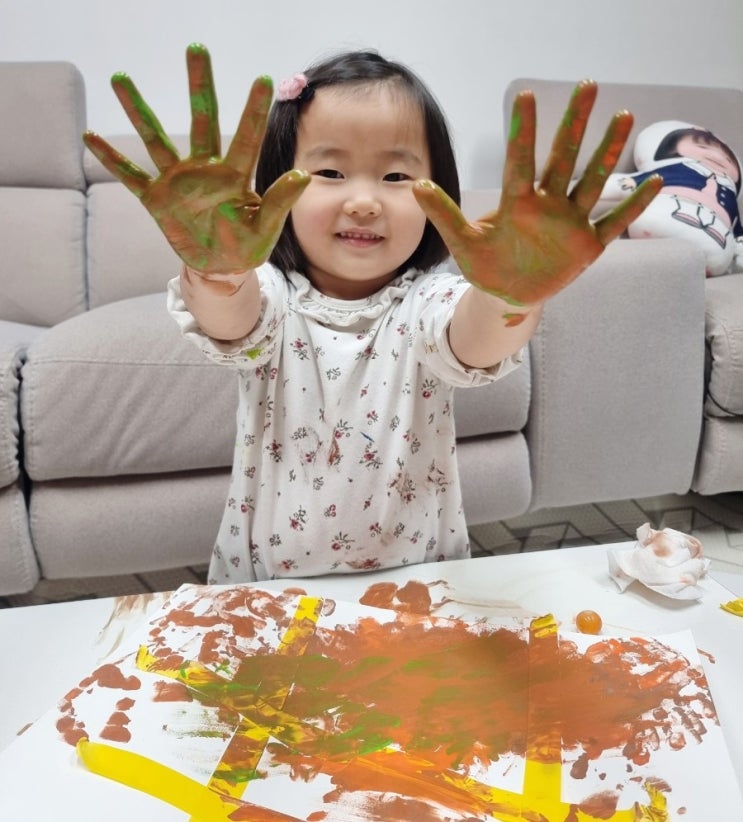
point(699, 199)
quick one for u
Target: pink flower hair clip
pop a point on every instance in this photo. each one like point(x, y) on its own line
point(295, 88)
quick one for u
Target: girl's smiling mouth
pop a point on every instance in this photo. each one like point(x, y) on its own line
point(359, 238)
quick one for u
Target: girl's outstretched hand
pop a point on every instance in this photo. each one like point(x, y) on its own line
point(540, 238)
point(204, 203)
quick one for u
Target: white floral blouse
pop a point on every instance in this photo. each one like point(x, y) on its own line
point(345, 454)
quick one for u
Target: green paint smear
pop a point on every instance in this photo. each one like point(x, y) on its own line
point(515, 127)
point(202, 103)
point(238, 776)
point(568, 119)
point(228, 211)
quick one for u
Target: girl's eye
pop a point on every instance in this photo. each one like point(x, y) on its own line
point(329, 173)
point(396, 177)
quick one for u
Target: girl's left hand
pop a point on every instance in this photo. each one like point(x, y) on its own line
point(540, 238)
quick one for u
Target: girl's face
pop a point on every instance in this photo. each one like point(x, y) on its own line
point(709, 153)
point(357, 221)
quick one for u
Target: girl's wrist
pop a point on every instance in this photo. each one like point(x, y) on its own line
point(511, 312)
point(215, 276)
point(225, 284)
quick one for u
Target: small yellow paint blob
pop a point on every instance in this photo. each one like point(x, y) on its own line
point(656, 811)
point(735, 606)
point(588, 622)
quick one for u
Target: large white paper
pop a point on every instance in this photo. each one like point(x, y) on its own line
point(317, 709)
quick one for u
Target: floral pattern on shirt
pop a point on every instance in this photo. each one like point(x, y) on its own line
point(345, 457)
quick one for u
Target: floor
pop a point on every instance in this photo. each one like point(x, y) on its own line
point(716, 521)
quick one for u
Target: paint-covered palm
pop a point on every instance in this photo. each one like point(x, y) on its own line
point(540, 238)
point(204, 204)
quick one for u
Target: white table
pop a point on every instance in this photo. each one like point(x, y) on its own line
point(75, 636)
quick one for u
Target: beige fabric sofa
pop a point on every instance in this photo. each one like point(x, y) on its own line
point(116, 435)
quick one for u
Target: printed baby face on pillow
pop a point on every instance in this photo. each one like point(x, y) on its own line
point(698, 202)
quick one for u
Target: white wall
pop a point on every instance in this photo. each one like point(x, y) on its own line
point(467, 50)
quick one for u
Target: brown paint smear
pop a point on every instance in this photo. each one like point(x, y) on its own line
point(171, 692)
point(232, 617)
point(116, 729)
point(109, 675)
point(413, 597)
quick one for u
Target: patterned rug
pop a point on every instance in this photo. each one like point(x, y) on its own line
point(716, 521)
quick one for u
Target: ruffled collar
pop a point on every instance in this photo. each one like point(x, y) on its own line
point(308, 300)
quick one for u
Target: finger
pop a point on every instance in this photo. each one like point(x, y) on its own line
point(246, 144)
point(588, 189)
point(614, 223)
point(441, 210)
point(519, 171)
point(136, 179)
point(145, 122)
point(205, 137)
point(279, 199)
point(566, 144)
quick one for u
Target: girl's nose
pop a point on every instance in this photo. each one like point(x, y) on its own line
point(362, 204)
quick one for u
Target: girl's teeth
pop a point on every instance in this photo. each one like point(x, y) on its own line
point(355, 236)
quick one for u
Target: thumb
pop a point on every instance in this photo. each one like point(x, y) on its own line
point(442, 211)
point(279, 199)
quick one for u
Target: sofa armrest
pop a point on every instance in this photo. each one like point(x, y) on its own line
point(618, 378)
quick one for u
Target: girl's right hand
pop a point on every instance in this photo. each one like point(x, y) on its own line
point(205, 204)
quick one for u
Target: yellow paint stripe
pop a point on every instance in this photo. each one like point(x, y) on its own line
point(294, 643)
point(302, 626)
point(156, 780)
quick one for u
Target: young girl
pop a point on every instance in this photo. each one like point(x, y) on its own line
point(322, 290)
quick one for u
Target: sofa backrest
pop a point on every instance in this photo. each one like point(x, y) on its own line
point(718, 109)
point(42, 200)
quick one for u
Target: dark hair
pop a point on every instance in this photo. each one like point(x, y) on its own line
point(361, 68)
point(668, 146)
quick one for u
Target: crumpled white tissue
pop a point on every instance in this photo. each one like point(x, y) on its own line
point(667, 561)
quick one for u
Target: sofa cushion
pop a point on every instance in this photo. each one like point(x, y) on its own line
point(10, 363)
point(43, 105)
point(127, 253)
point(119, 391)
point(720, 464)
point(505, 457)
point(126, 525)
point(42, 272)
point(497, 408)
point(14, 340)
point(724, 335)
point(617, 378)
point(19, 570)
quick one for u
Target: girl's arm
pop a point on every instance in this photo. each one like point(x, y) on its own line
point(226, 306)
point(486, 330)
point(540, 238)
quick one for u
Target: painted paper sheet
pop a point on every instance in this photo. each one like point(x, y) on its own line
point(239, 703)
